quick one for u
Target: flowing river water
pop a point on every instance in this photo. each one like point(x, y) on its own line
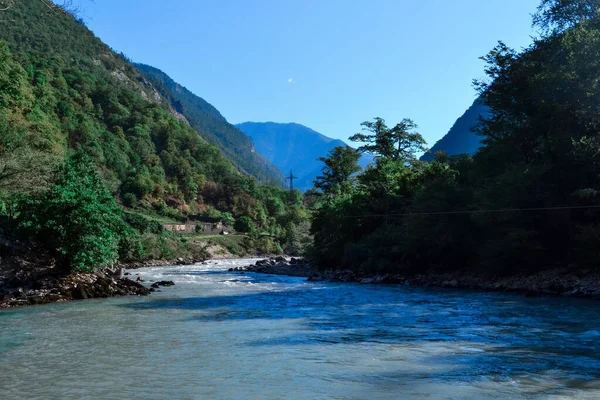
point(223, 335)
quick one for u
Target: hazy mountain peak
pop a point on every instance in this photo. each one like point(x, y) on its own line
point(292, 146)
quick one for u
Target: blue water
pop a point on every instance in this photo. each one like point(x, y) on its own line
point(221, 335)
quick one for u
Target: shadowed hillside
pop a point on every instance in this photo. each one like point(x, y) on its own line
point(461, 138)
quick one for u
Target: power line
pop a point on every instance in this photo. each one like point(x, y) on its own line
point(291, 179)
point(500, 210)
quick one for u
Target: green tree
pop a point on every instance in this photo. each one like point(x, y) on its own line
point(292, 240)
point(555, 16)
point(401, 142)
point(338, 223)
point(244, 225)
point(78, 219)
point(227, 219)
point(341, 164)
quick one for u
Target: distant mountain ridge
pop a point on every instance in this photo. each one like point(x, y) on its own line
point(461, 138)
point(291, 146)
point(212, 126)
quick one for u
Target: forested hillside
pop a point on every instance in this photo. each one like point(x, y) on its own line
point(461, 138)
point(528, 200)
point(293, 147)
point(64, 89)
point(212, 126)
point(78, 122)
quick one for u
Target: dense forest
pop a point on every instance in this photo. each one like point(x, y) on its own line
point(529, 199)
point(89, 150)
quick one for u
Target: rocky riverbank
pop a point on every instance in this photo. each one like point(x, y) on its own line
point(552, 282)
point(23, 289)
point(160, 263)
point(29, 275)
point(279, 266)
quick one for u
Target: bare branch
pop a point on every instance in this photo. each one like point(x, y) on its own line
point(6, 5)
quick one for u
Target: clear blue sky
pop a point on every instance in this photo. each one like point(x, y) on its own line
point(327, 64)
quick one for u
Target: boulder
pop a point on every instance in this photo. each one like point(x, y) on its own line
point(79, 293)
point(163, 283)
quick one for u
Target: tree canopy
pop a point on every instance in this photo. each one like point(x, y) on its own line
point(528, 200)
point(401, 142)
point(77, 218)
point(337, 174)
point(555, 16)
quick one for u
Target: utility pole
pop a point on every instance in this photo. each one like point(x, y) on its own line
point(291, 179)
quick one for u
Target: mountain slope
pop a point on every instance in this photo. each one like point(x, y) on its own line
point(461, 138)
point(212, 126)
point(63, 90)
point(293, 147)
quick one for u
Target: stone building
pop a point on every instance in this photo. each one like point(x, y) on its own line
point(200, 225)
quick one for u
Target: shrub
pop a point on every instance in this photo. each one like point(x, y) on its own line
point(143, 224)
point(244, 225)
point(77, 219)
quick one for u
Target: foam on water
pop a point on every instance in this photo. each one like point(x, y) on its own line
point(223, 335)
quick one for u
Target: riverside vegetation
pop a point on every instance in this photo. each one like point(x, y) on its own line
point(527, 201)
point(94, 156)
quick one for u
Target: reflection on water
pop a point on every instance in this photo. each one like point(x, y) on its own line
point(220, 335)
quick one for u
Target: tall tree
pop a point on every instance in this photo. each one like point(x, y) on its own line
point(77, 218)
point(401, 142)
point(340, 164)
point(554, 16)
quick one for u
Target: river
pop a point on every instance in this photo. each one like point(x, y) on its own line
point(222, 335)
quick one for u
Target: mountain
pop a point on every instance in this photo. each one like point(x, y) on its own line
point(212, 126)
point(461, 138)
point(293, 147)
point(63, 91)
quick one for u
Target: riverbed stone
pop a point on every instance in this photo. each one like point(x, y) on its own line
point(164, 283)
